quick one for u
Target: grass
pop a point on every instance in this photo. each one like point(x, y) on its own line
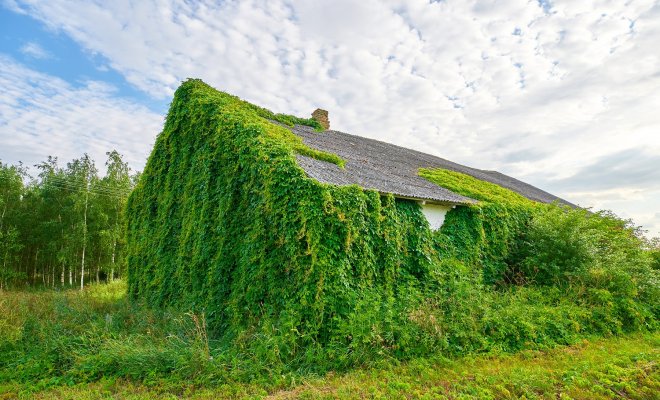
point(624, 367)
point(621, 367)
point(96, 345)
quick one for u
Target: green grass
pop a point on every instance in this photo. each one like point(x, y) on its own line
point(621, 367)
point(97, 345)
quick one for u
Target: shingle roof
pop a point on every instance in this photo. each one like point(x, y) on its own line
point(387, 168)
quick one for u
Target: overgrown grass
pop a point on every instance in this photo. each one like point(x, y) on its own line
point(50, 338)
point(599, 369)
point(147, 358)
point(97, 344)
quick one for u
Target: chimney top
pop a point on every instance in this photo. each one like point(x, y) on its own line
point(322, 117)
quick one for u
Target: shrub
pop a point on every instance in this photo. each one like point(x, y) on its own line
point(564, 246)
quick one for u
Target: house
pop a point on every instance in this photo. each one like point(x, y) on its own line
point(264, 220)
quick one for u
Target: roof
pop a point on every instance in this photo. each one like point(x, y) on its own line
point(388, 168)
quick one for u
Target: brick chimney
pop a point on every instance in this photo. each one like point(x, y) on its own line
point(322, 117)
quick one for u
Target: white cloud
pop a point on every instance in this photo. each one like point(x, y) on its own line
point(539, 92)
point(41, 115)
point(34, 50)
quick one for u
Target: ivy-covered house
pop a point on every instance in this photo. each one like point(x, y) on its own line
point(274, 224)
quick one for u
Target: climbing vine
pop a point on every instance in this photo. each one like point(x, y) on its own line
point(485, 234)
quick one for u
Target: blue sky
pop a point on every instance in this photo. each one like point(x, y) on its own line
point(561, 94)
point(35, 46)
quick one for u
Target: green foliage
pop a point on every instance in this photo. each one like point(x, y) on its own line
point(474, 188)
point(595, 270)
point(286, 119)
point(563, 245)
point(655, 257)
point(601, 254)
point(11, 190)
point(46, 222)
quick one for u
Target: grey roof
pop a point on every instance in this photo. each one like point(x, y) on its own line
point(387, 168)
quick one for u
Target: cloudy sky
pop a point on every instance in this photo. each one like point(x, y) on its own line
point(562, 94)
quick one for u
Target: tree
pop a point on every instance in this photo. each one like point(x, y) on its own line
point(11, 191)
point(64, 220)
point(117, 183)
point(82, 174)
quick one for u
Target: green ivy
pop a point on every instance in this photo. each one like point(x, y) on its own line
point(485, 234)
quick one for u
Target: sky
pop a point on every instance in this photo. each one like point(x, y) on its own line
point(564, 95)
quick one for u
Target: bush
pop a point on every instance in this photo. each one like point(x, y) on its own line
point(654, 251)
point(564, 246)
point(601, 256)
point(558, 246)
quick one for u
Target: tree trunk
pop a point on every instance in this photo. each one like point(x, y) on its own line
point(82, 262)
point(98, 269)
point(34, 267)
point(2, 217)
point(59, 218)
point(114, 249)
point(82, 269)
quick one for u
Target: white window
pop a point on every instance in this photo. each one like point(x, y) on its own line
point(435, 214)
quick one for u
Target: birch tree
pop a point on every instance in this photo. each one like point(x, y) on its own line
point(117, 183)
point(11, 189)
point(65, 225)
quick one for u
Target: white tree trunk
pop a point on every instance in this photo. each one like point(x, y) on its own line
point(2, 217)
point(82, 262)
point(59, 218)
point(98, 269)
point(112, 268)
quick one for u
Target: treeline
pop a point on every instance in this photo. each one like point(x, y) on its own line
point(66, 225)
